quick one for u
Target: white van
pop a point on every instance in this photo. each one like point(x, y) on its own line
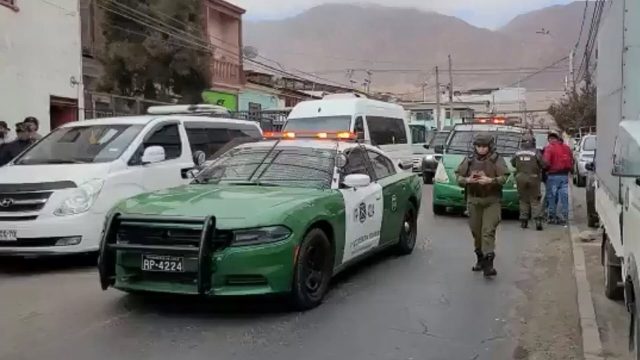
point(378, 123)
point(55, 195)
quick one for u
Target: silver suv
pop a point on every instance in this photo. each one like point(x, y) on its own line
point(583, 154)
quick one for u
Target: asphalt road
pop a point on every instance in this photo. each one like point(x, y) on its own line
point(426, 306)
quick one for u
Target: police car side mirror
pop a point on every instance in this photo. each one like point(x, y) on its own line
point(439, 149)
point(405, 165)
point(356, 181)
point(590, 166)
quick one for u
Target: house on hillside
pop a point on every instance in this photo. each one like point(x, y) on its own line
point(41, 75)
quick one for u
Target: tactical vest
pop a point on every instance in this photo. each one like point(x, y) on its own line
point(526, 162)
point(489, 166)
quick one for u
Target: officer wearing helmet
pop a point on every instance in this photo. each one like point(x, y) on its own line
point(529, 166)
point(482, 174)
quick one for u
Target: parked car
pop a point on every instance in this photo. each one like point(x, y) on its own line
point(271, 217)
point(592, 215)
point(55, 195)
point(584, 154)
point(430, 161)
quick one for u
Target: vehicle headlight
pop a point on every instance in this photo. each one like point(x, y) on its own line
point(259, 236)
point(429, 157)
point(82, 198)
point(441, 175)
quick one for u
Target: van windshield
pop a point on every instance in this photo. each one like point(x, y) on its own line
point(320, 123)
point(81, 145)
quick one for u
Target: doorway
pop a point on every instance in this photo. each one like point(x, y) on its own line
point(62, 111)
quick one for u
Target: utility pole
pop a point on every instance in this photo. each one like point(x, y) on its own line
point(572, 77)
point(450, 92)
point(438, 122)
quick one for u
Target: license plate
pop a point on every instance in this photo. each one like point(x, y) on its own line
point(158, 263)
point(8, 235)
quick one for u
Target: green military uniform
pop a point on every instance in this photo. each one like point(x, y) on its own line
point(529, 166)
point(483, 200)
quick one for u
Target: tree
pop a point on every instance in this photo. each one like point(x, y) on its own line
point(155, 49)
point(575, 110)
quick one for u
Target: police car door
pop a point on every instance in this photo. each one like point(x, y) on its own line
point(363, 208)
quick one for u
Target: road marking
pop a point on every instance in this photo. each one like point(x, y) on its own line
point(591, 342)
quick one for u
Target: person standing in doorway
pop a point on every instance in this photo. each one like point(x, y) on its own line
point(559, 158)
point(33, 125)
point(482, 174)
point(529, 166)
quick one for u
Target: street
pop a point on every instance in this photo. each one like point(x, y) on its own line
point(428, 306)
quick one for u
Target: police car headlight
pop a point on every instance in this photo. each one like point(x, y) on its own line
point(259, 236)
point(82, 198)
point(441, 175)
point(429, 157)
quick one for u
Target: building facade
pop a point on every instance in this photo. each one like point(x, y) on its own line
point(40, 75)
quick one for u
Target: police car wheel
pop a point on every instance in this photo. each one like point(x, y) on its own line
point(408, 232)
point(312, 271)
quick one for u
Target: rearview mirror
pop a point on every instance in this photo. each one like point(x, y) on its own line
point(199, 157)
point(439, 149)
point(405, 165)
point(153, 154)
point(357, 181)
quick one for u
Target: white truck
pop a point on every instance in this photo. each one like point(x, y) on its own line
point(617, 160)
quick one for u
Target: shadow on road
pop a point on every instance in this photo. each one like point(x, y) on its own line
point(24, 266)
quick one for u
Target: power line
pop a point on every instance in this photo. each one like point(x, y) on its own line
point(540, 71)
point(584, 18)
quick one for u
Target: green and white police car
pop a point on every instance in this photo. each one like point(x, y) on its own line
point(271, 217)
point(447, 194)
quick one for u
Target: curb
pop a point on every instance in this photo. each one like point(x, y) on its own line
point(591, 343)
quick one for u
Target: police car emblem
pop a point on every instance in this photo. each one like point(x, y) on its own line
point(394, 203)
point(362, 211)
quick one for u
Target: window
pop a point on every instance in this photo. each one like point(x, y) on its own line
point(357, 163)
point(358, 128)
point(418, 134)
point(589, 143)
point(168, 137)
point(11, 4)
point(216, 138)
point(626, 155)
point(320, 123)
point(386, 131)
point(382, 166)
point(447, 115)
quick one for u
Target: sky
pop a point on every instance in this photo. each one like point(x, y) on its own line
point(490, 14)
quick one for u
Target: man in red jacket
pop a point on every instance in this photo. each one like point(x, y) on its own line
point(559, 159)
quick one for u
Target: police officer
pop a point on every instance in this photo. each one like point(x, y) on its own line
point(482, 174)
point(529, 166)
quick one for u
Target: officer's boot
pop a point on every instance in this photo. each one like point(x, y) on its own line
point(524, 224)
point(480, 263)
point(488, 265)
point(539, 224)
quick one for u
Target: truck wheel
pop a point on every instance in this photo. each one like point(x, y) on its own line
point(312, 271)
point(592, 221)
point(612, 274)
point(427, 178)
point(581, 181)
point(439, 210)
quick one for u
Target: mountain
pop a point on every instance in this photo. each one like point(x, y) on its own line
point(402, 46)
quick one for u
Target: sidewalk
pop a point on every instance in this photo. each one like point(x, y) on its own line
point(611, 316)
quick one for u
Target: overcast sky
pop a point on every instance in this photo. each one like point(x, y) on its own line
point(485, 13)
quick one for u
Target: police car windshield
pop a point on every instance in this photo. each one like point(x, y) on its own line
point(439, 139)
point(280, 165)
point(319, 123)
point(461, 142)
point(81, 144)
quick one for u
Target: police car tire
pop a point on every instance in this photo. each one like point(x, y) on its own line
point(301, 298)
point(407, 241)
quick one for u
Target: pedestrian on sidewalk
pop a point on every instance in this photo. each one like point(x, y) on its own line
point(559, 160)
point(9, 151)
point(529, 166)
point(482, 174)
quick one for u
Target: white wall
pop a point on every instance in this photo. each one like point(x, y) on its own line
point(40, 50)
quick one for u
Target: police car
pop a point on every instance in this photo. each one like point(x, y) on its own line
point(278, 216)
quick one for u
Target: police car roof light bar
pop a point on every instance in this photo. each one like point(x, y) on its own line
point(323, 135)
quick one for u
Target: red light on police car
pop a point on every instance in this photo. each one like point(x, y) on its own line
point(346, 136)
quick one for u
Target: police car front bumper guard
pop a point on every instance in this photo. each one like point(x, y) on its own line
point(206, 247)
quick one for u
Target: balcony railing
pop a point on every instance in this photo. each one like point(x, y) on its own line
point(226, 73)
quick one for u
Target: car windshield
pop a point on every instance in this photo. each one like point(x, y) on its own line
point(589, 143)
point(81, 144)
point(439, 139)
point(418, 134)
point(320, 123)
point(507, 143)
point(278, 165)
